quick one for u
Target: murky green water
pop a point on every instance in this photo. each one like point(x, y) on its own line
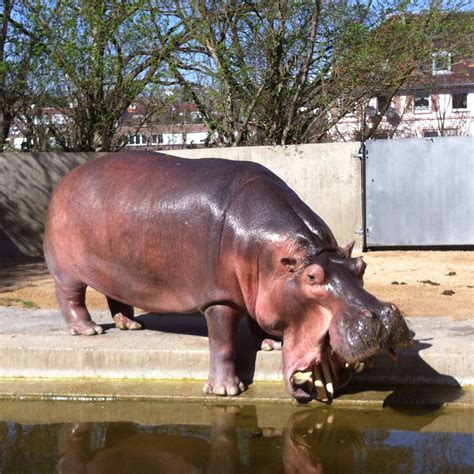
point(37, 437)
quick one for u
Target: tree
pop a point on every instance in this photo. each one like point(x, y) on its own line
point(19, 59)
point(281, 72)
point(104, 54)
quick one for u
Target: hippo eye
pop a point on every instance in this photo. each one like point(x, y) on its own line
point(315, 274)
point(277, 326)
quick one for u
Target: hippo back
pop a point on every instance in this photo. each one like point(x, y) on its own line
point(147, 228)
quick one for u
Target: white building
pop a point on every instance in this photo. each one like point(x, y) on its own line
point(168, 136)
point(442, 104)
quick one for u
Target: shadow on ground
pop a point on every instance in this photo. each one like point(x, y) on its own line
point(18, 272)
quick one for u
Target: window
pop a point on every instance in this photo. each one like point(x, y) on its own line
point(135, 139)
point(450, 132)
point(441, 63)
point(422, 102)
point(459, 100)
point(430, 133)
point(380, 136)
point(381, 102)
point(157, 139)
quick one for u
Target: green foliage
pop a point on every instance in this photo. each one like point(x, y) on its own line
point(104, 54)
point(286, 72)
point(8, 301)
point(267, 72)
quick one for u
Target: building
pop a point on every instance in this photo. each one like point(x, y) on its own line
point(166, 137)
point(178, 125)
point(438, 101)
point(144, 125)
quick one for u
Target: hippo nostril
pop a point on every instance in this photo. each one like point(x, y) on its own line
point(366, 313)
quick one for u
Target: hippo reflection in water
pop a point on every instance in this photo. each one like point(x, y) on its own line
point(309, 443)
point(224, 238)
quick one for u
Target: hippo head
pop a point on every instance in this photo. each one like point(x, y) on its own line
point(329, 323)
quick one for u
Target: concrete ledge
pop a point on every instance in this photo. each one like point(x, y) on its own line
point(115, 394)
point(158, 412)
point(36, 344)
point(268, 393)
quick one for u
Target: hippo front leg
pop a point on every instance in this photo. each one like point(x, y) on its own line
point(222, 325)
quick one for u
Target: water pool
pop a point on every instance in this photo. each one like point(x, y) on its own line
point(142, 437)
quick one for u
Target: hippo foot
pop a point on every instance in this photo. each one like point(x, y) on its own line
point(230, 386)
point(85, 328)
point(271, 345)
point(122, 322)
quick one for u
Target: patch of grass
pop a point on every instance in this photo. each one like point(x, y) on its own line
point(7, 301)
point(30, 305)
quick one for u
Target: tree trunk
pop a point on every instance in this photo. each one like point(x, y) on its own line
point(5, 127)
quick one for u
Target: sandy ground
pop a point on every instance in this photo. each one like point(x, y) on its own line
point(421, 283)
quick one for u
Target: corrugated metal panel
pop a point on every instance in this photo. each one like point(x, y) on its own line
point(420, 192)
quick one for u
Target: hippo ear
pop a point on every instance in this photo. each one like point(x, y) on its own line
point(357, 266)
point(347, 250)
point(289, 263)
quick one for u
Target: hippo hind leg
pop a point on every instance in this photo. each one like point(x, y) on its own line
point(263, 340)
point(122, 314)
point(71, 297)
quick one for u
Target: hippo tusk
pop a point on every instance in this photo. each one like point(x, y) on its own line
point(319, 385)
point(300, 378)
point(359, 367)
point(328, 379)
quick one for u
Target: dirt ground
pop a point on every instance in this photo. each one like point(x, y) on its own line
point(421, 283)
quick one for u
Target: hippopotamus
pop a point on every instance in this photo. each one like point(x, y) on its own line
point(224, 238)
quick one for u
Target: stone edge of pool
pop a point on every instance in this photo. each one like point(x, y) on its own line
point(39, 360)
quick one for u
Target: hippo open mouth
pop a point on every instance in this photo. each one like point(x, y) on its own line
point(321, 380)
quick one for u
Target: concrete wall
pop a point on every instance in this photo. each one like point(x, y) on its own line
point(326, 177)
point(26, 182)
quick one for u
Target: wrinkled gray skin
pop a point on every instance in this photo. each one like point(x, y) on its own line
point(224, 238)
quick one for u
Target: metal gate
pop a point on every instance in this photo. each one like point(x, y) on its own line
point(419, 192)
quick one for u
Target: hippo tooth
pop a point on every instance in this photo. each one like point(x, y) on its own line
point(330, 419)
point(359, 367)
point(319, 385)
point(300, 378)
point(328, 379)
point(346, 365)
